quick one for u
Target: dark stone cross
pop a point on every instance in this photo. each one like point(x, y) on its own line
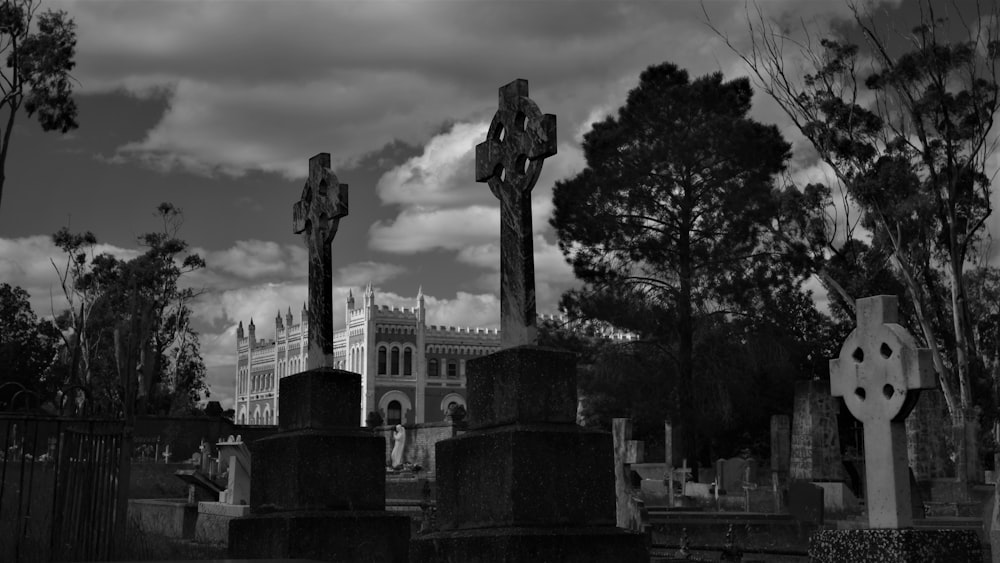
point(317, 216)
point(510, 160)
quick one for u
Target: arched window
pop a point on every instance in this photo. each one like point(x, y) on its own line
point(452, 368)
point(395, 413)
point(381, 360)
point(432, 368)
point(408, 361)
point(394, 358)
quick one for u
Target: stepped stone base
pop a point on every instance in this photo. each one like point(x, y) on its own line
point(318, 470)
point(508, 545)
point(895, 546)
point(526, 475)
point(328, 536)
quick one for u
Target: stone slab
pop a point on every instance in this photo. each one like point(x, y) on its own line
point(173, 518)
point(320, 399)
point(328, 536)
point(552, 545)
point(837, 497)
point(526, 475)
point(523, 384)
point(806, 502)
point(318, 470)
point(895, 546)
point(213, 521)
point(657, 471)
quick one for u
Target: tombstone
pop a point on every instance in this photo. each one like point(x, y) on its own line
point(668, 444)
point(926, 442)
point(815, 448)
point(525, 483)
point(628, 510)
point(781, 444)
point(212, 525)
point(879, 373)
point(318, 487)
point(734, 472)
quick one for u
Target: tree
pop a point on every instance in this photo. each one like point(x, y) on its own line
point(39, 57)
point(907, 133)
point(130, 327)
point(28, 348)
point(674, 219)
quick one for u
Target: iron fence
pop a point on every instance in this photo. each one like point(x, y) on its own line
point(63, 485)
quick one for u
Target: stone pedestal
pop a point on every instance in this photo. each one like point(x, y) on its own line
point(318, 487)
point(526, 483)
point(895, 546)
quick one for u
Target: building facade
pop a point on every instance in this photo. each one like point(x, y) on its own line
point(410, 372)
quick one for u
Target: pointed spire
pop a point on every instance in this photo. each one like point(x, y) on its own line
point(241, 326)
point(251, 322)
point(350, 294)
point(420, 292)
point(289, 311)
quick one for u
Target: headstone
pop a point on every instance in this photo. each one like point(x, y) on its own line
point(525, 483)
point(926, 442)
point(668, 444)
point(815, 452)
point(781, 443)
point(318, 487)
point(734, 471)
point(993, 527)
point(628, 514)
point(879, 374)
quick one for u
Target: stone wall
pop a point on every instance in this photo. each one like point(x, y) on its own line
point(420, 442)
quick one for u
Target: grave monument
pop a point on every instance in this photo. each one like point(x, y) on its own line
point(525, 483)
point(880, 373)
point(318, 487)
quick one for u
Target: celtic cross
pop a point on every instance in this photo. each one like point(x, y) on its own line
point(510, 160)
point(317, 216)
point(879, 374)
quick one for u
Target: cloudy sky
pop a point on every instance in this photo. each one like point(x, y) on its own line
point(216, 107)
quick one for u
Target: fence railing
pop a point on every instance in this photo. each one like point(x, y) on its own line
point(61, 488)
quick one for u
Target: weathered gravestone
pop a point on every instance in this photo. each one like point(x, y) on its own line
point(318, 488)
point(525, 483)
point(627, 452)
point(781, 444)
point(879, 374)
point(815, 445)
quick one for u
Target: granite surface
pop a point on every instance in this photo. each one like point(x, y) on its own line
point(895, 546)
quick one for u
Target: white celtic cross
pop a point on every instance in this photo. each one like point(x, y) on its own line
point(879, 373)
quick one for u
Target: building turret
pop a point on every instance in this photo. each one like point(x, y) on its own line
point(305, 314)
point(253, 333)
point(350, 299)
point(277, 322)
point(288, 317)
point(239, 331)
point(421, 311)
point(369, 296)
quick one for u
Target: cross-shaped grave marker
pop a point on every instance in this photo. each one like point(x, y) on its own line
point(317, 216)
point(879, 373)
point(510, 160)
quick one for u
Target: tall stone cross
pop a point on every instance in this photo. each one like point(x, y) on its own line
point(317, 216)
point(879, 373)
point(510, 160)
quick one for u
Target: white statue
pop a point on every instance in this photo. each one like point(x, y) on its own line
point(398, 443)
